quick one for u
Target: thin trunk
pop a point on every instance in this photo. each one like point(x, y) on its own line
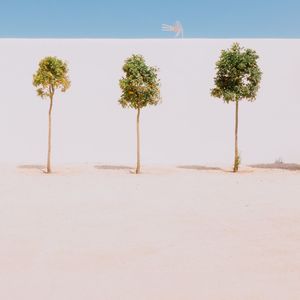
point(138, 162)
point(236, 151)
point(49, 135)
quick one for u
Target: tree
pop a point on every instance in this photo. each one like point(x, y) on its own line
point(51, 75)
point(140, 87)
point(238, 77)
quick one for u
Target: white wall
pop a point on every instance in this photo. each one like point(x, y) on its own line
point(187, 127)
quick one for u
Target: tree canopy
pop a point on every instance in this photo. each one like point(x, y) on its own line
point(140, 85)
point(238, 74)
point(52, 74)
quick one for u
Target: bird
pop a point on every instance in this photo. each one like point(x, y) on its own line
point(177, 28)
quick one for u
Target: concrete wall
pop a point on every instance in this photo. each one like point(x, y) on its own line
point(189, 126)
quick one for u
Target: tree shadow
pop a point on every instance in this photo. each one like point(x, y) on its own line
point(200, 168)
point(281, 166)
point(32, 167)
point(113, 167)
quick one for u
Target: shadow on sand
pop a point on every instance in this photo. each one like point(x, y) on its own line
point(281, 166)
point(207, 168)
point(32, 167)
point(200, 168)
point(113, 167)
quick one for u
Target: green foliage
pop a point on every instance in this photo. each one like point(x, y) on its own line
point(140, 85)
point(51, 75)
point(238, 74)
point(237, 162)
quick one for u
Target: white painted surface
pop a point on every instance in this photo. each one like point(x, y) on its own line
point(188, 127)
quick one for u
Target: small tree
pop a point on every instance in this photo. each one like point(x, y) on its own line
point(140, 87)
point(238, 77)
point(51, 75)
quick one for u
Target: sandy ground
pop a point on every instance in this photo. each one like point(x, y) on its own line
point(94, 233)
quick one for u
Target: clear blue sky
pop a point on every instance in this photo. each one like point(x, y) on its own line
point(143, 19)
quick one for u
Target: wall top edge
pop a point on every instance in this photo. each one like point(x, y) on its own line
point(148, 39)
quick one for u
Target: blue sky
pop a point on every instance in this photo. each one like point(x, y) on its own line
point(143, 19)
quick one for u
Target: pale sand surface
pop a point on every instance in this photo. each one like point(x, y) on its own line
point(101, 233)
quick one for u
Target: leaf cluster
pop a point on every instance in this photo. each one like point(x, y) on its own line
point(238, 74)
point(140, 85)
point(52, 74)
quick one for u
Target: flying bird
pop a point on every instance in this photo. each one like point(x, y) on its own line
point(177, 28)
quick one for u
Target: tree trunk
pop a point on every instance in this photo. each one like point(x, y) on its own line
point(236, 151)
point(49, 135)
point(138, 162)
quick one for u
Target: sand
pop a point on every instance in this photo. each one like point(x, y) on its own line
point(100, 232)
